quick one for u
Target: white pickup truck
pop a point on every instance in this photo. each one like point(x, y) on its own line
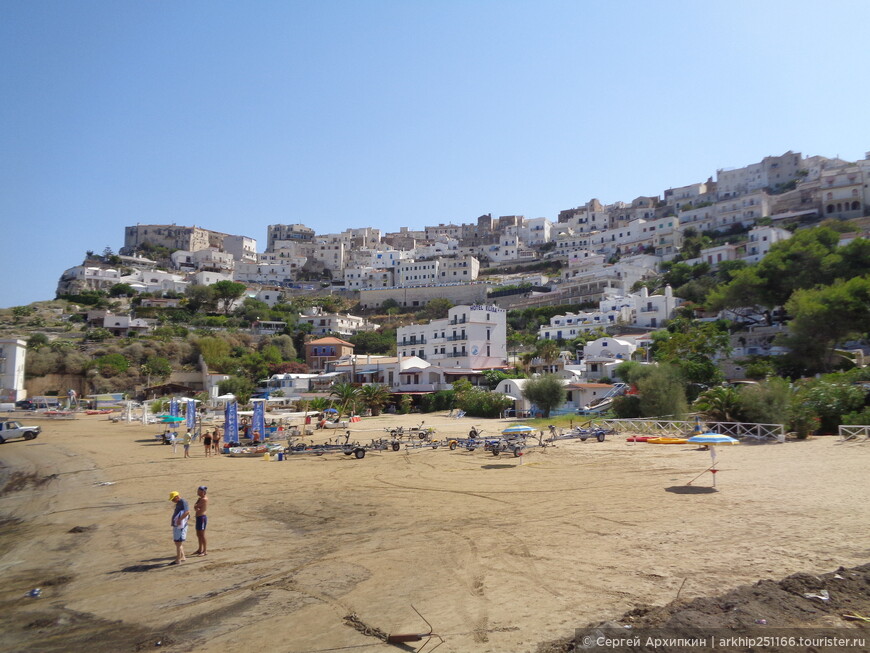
point(11, 429)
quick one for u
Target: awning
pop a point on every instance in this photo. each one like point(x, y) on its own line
point(511, 398)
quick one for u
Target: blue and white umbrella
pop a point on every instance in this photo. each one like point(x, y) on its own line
point(712, 440)
point(330, 410)
point(716, 439)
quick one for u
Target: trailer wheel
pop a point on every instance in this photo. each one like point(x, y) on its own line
point(359, 453)
point(600, 436)
point(495, 451)
point(452, 445)
point(395, 446)
point(518, 452)
point(347, 452)
point(583, 438)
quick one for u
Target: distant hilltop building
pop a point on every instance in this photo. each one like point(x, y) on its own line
point(189, 239)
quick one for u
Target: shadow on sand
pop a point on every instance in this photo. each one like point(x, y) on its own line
point(690, 489)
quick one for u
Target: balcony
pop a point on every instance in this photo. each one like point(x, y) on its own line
point(458, 321)
point(413, 341)
point(455, 354)
point(455, 338)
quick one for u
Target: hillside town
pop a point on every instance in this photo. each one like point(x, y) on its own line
point(604, 262)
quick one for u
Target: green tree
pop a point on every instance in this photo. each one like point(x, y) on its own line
point(37, 340)
point(120, 289)
point(286, 348)
point(112, 364)
point(691, 346)
point(824, 316)
point(199, 298)
point(381, 341)
point(346, 394)
point(239, 386)
point(546, 392)
point(226, 293)
point(436, 309)
point(374, 396)
point(768, 402)
point(157, 367)
point(720, 403)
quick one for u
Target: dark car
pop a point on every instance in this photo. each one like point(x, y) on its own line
point(25, 404)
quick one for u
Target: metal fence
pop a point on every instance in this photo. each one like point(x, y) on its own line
point(854, 433)
point(671, 428)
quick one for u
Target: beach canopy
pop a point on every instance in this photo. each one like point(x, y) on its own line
point(517, 429)
point(716, 439)
point(330, 410)
point(171, 419)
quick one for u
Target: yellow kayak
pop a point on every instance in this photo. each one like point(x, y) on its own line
point(667, 441)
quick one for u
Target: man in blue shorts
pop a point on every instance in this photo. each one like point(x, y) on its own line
point(180, 517)
point(199, 509)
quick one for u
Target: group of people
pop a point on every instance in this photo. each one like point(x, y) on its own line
point(211, 440)
point(180, 519)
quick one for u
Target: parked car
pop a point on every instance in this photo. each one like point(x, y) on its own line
point(25, 404)
point(11, 429)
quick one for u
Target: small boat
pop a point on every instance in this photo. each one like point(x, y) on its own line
point(639, 438)
point(104, 411)
point(667, 441)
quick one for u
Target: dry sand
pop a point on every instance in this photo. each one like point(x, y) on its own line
point(499, 554)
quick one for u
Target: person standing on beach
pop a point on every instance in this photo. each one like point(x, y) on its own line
point(206, 441)
point(180, 517)
point(173, 440)
point(216, 441)
point(186, 443)
point(199, 509)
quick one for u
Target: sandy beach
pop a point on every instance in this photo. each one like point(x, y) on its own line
point(497, 553)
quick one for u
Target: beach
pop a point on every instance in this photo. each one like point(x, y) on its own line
point(496, 553)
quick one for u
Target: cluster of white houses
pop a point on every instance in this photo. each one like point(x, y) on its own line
point(605, 248)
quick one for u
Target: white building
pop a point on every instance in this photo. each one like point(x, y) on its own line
point(470, 337)
point(241, 248)
point(460, 269)
point(12, 356)
point(536, 231)
point(368, 277)
point(335, 323)
point(81, 277)
point(602, 356)
point(761, 239)
point(156, 281)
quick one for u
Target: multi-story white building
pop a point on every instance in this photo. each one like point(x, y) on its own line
point(85, 277)
point(470, 337)
point(536, 231)
point(761, 239)
point(324, 324)
point(409, 272)
point(460, 269)
point(158, 281)
point(203, 259)
point(602, 356)
point(842, 192)
point(267, 273)
point(278, 235)
point(241, 248)
point(368, 277)
point(12, 355)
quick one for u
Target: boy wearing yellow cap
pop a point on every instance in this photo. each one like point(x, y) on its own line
point(180, 517)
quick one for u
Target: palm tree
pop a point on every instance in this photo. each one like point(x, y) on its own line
point(720, 403)
point(374, 396)
point(319, 404)
point(346, 393)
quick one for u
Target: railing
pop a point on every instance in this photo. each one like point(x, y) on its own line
point(413, 341)
point(746, 430)
point(855, 433)
point(455, 321)
point(455, 338)
point(455, 354)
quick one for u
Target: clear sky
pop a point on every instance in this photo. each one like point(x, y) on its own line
point(384, 113)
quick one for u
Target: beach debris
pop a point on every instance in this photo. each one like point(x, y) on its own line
point(822, 595)
point(35, 593)
point(856, 617)
point(761, 622)
point(105, 483)
point(359, 625)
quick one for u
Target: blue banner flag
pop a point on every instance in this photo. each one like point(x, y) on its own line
point(231, 422)
point(173, 407)
point(191, 413)
point(259, 421)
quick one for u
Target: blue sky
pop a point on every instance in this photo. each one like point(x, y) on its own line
point(337, 114)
